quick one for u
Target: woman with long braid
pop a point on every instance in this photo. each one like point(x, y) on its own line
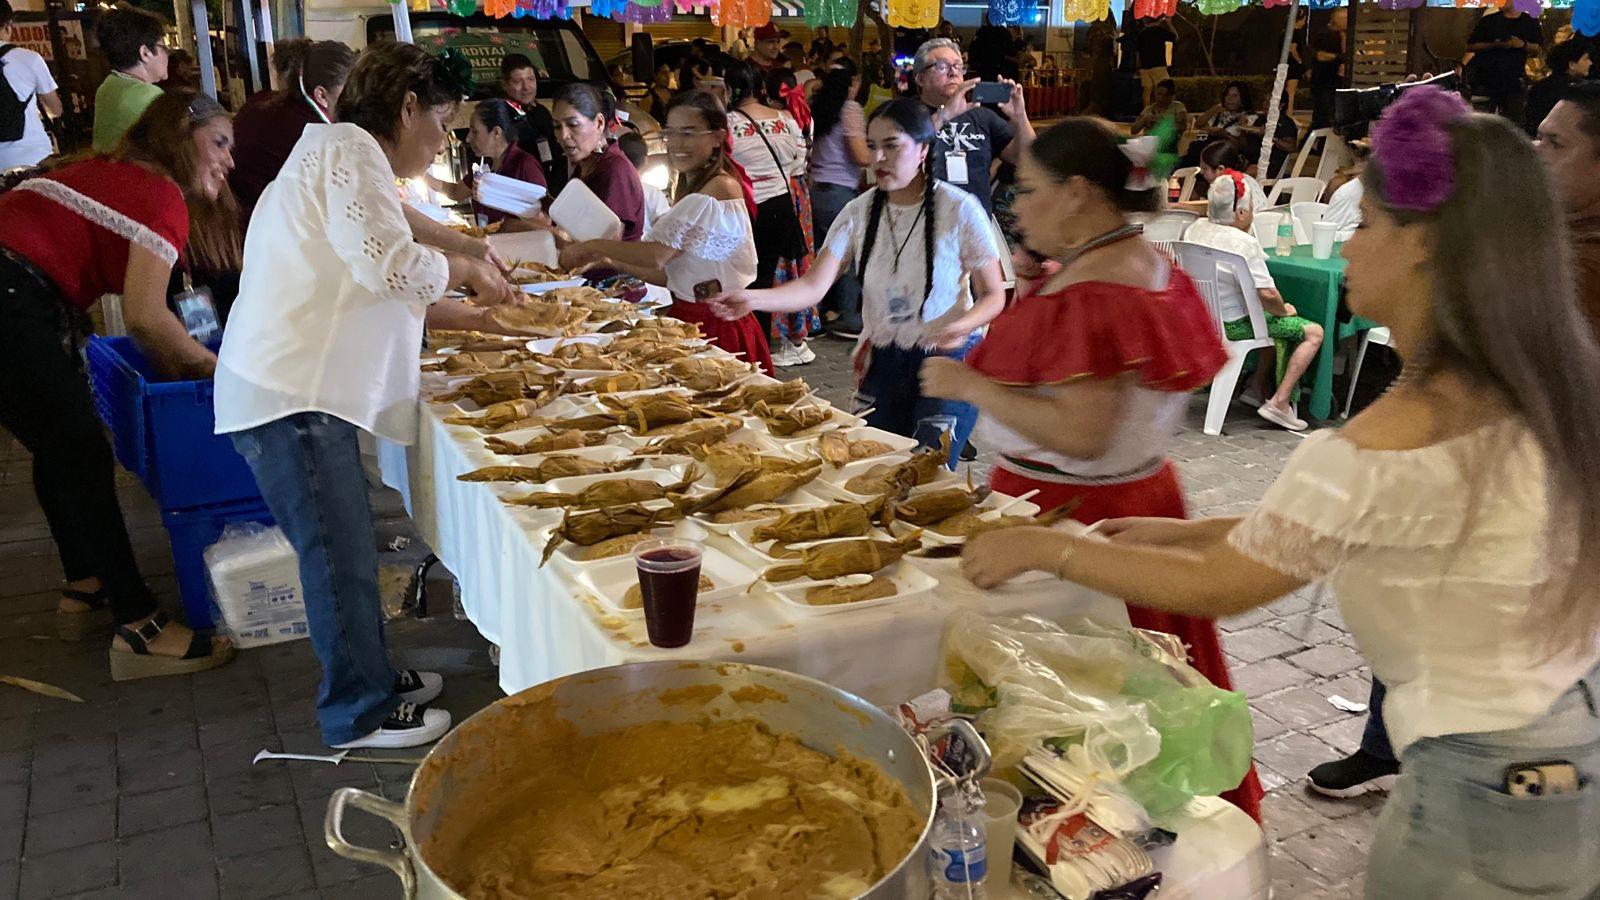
point(911, 308)
point(703, 244)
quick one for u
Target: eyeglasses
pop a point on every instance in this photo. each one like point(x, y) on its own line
point(683, 134)
point(947, 68)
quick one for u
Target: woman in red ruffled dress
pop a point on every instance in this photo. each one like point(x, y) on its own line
point(1082, 381)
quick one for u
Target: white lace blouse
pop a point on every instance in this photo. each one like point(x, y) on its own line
point(716, 243)
point(1439, 558)
point(331, 300)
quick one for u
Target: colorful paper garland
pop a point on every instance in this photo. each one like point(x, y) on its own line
point(832, 13)
point(913, 13)
point(1586, 17)
point(742, 13)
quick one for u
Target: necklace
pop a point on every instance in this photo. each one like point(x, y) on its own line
point(894, 236)
point(1073, 254)
point(1412, 370)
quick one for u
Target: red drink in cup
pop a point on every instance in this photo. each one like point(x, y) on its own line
point(669, 581)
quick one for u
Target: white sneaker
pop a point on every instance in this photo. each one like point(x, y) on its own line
point(409, 725)
point(418, 687)
point(806, 356)
point(1286, 420)
point(786, 355)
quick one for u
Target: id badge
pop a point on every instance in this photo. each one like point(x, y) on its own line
point(955, 168)
point(544, 151)
point(199, 315)
point(901, 310)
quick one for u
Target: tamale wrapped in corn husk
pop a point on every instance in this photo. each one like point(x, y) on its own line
point(471, 341)
point(498, 414)
point(550, 469)
point(692, 434)
point(838, 450)
point(774, 395)
point(862, 557)
point(538, 318)
point(611, 492)
point(842, 519)
point(474, 363)
point(667, 328)
point(568, 439)
point(971, 522)
point(839, 594)
point(702, 373)
point(726, 461)
point(589, 528)
point(655, 411)
point(623, 382)
point(758, 486)
point(748, 514)
point(657, 354)
point(792, 419)
point(901, 477)
point(936, 506)
point(497, 387)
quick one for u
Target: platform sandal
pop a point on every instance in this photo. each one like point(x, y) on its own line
point(77, 626)
point(139, 662)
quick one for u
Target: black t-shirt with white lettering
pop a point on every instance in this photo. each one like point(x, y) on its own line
point(982, 135)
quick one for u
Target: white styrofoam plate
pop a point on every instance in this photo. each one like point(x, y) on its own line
point(897, 443)
point(547, 346)
point(545, 287)
point(932, 538)
point(910, 582)
point(832, 481)
point(567, 552)
point(610, 579)
point(839, 419)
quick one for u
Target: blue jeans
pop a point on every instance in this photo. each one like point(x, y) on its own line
point(892, 386)
point(309, 469)
point(844, 297)
point(1450, 829)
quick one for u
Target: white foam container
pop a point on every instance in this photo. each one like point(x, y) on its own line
point(898, 444)
point(934, 539)
point(910, 582)
point(610, 579)
point(566, 554)
point(255, 584)
point(831, 482)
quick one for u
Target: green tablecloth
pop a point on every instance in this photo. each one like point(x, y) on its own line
point(1312, 286)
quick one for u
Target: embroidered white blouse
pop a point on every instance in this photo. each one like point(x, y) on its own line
point(716, 243)
point(331, 301)
point(1439, 559)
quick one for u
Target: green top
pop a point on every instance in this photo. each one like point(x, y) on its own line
point(119, 103)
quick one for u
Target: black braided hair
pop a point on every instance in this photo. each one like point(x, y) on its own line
point(911, 116)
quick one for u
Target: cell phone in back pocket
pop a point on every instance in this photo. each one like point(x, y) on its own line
point(705, 290)
point(991, 92)
point(1545, 779)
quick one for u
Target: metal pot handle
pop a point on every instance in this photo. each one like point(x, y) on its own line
point(396, 861)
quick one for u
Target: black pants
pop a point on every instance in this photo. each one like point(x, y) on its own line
point(1508, 98)
point(45, 403)
point(1322, 104)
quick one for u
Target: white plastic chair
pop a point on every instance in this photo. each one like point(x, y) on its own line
point(1169, 226)
point(1305, 215)
point(1206, 267)
point(1186, 178)
point(1299, 190)
point(1330, 144)
point(1379, 336)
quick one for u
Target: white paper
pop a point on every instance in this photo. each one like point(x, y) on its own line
point(1349, 706)
point(584, 215)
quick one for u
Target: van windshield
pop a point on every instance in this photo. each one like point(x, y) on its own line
point(557, 49)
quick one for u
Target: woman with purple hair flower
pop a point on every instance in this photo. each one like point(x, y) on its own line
point(1456, 520)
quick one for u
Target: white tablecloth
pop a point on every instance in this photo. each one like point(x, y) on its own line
point(546, 629)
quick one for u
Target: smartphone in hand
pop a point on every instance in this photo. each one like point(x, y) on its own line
point(991, 93)
point(705, 290)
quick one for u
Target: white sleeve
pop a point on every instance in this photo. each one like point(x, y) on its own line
point(367, 228)
point(43, 81)
point(1259, 271)
point(703, 227)
point(976, 235)
point(842, 238)
point(1344, 208)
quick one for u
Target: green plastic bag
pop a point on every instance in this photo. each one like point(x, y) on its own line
point(1145, 717)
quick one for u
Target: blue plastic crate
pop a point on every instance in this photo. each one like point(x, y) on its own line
point(162, 430)
point(192, 531)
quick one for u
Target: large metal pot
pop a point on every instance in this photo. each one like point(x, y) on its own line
point(820, 715)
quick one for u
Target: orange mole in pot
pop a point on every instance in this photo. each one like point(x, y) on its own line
point(673, 811)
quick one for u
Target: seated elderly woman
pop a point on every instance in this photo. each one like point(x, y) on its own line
point(1225, 228)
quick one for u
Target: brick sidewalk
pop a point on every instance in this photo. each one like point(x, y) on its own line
point(147, 791)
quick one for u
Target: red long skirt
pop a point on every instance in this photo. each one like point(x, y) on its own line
point(740, 336)
point(1158, 495)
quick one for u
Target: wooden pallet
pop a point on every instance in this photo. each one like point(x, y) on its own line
point(1383, 46)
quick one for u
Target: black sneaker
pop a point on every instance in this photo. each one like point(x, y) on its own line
point(418, 687)
point(409, 725)
point(1356, 774)
point(968, 452)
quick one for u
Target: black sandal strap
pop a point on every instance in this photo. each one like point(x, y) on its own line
point(139, 638)
point(199, 646)
point(93, 599)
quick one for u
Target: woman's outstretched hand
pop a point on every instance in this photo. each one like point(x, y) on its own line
point(995, 557)
point(731, 305)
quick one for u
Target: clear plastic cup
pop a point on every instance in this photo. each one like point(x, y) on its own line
point(669, 583)
point(1001, 803)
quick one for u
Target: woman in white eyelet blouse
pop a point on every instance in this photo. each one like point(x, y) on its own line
point(323, 343)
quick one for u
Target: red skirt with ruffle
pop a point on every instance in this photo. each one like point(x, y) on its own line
point(1157, 495)
point(740, 336)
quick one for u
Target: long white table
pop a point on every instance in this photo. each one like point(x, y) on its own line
point(546, 628)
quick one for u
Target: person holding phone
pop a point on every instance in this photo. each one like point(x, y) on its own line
point(916, 302)
point(703, 244)
point(970, 136)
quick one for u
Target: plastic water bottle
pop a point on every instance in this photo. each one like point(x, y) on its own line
point(1285, 238)
point(957, 851)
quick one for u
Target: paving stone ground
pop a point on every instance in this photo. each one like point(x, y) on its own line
point(147, 790)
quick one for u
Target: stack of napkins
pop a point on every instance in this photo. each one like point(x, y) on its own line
point(509, 195)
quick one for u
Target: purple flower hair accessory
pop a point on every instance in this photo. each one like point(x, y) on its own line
point(1412, 147)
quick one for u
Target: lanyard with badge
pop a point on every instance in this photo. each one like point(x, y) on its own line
point(541, 145)
point(198, 313)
